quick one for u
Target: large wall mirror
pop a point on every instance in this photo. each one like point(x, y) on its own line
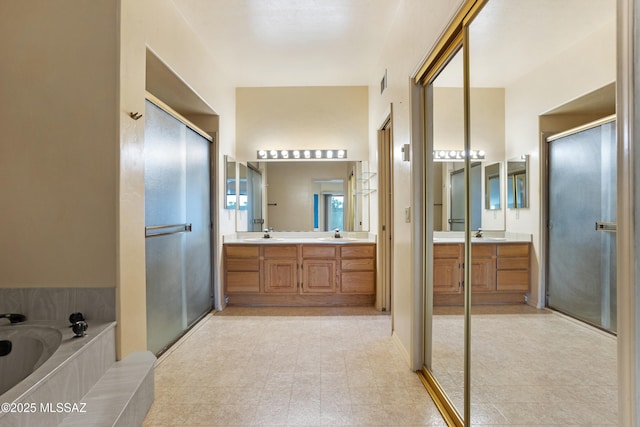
point(505, 64)
point(304, 196)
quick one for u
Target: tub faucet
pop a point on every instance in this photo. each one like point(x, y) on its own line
point(13, 317)
point(336, 233)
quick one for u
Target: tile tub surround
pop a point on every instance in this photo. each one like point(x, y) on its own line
point(58, 303)
point(65, 377)
point(289, 371)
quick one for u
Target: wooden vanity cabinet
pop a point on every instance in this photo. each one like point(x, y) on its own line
point(358, 269)
point(513, 267)
point(447, 269)
point(499, 273)
point(242, 268)
point(300, 274)
point(281, 269)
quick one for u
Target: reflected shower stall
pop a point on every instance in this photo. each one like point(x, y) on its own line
point(581, 277)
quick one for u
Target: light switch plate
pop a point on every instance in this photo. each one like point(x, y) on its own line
point(407, 214)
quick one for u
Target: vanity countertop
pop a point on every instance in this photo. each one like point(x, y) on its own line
point(284, 238)
point(488, 237)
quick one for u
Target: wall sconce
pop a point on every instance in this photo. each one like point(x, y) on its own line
point(301, 154)
point(456, 155)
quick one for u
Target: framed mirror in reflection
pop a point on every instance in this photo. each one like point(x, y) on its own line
point(230, 194)
point(492, 186)
point(517, 182)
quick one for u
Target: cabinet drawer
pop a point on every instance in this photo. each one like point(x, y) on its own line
point(483, 250)
point(243, 264)
point(280, 251)
point(318, 251)
point(513, 280)
point(357, 264)
point(243, 282)
point(358, 251)
point(446, 251)
point(515, 263)
point(242, 251)
point(358, 282)
point(507, 250)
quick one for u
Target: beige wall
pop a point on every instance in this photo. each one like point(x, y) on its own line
point(416, 28)
point(57, 150)
point(302, 117)
point(71, 158)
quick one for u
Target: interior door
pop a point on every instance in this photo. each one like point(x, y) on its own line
point(581, 230)
point(177, 227)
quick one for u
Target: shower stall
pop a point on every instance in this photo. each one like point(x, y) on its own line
point(581, 254)
point(178, 226)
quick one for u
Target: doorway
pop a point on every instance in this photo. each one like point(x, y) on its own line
point(385, 214)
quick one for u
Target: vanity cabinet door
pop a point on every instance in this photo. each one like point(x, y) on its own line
point(280, 269)
point(280, 276)
point(447, 268)
point(483, 267)
point(318, 276)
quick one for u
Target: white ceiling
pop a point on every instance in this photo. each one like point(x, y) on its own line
point(292, 42)
point(339, 42)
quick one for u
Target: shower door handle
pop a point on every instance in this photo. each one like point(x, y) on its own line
point(165, 230)
point(609, 227)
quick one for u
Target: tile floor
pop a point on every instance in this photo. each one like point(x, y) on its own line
point(529, 369)
point(310, 368)
point(317, 366)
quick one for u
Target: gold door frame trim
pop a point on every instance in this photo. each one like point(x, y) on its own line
point(452, 36)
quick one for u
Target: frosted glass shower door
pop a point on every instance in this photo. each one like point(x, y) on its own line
point(177, 227)
point(581, 237)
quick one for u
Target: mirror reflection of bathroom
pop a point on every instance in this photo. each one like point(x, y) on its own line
point(517, 183)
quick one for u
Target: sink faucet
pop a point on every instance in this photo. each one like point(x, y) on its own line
point(478, 233)
point(336, 233)
point(14, 317)
point(266, 234)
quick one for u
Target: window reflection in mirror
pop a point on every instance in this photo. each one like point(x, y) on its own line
point(492, 186)
point(230, 183)
point(517, 183)
point(242, 187)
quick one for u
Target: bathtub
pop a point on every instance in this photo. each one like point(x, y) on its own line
point(26, 348)
point(48, 368)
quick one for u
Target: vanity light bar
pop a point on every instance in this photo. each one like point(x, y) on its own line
point(456, 155)
point(301, 154)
